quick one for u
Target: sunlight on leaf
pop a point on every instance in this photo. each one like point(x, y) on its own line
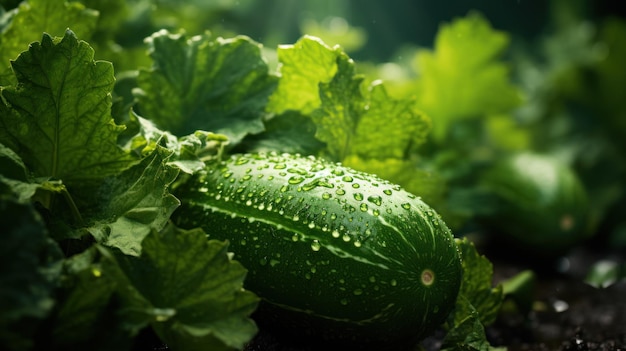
point(463, 77)
point(58, 118)
point(34, 17)
point(303, 66)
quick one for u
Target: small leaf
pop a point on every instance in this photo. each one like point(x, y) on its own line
point(58, 117)
point(134, 203)
point(289, 132)
point(204, 83)
point(476, 286)
point(189, 290)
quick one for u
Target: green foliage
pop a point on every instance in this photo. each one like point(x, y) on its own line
point(459, 77)
point(29, 269)
point(35, 17)
point(97, 155)
point(477, 305)
point(187, 289)
point(68, 133)
point(203, 83)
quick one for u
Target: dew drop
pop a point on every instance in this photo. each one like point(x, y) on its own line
point(387, 192)
point(358, 196)
point(246, 177)
point(311, 225)
point(376, 200)
point(356, 185)
point(241, 161)
point(307, 275)
point(326, 196)
point(294, 237)
point(357, 292)
point(347, 179)
point(343, 301)
point(315, 245)
point(340, 192)
point(280, 166)
point(346, 237)
point(406, 206)
point(363, 207)
point(295, 218)
point(357, 243)
point(372, 279)
point(393, 282)
point(243, 242)
point(295, 180)
point(263, 261)
point(335, 233)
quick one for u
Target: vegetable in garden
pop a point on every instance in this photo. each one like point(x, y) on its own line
point(336, 254)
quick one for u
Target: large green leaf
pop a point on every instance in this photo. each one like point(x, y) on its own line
point(58, 117)
point(189, 290)
point(205, 83)
point(463, 77)
point(35, 17)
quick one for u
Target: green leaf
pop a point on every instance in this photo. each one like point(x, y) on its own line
point(35, 17)
point(58, 117)
point(341, 107)
point(134, 203)
point(289, 132)
point(468, 335)
point(14, 177)
point(476, 287)
point(86, 307)
point(189, 290)
point(462, 77)
point(204, 83)
point(303, 66)
point(387, 128)
point(29, 270)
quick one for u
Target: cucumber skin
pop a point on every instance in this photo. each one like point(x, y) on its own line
point(319, 242)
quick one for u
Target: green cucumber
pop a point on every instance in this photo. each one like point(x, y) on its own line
point(542, 204)
point(335, 254)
